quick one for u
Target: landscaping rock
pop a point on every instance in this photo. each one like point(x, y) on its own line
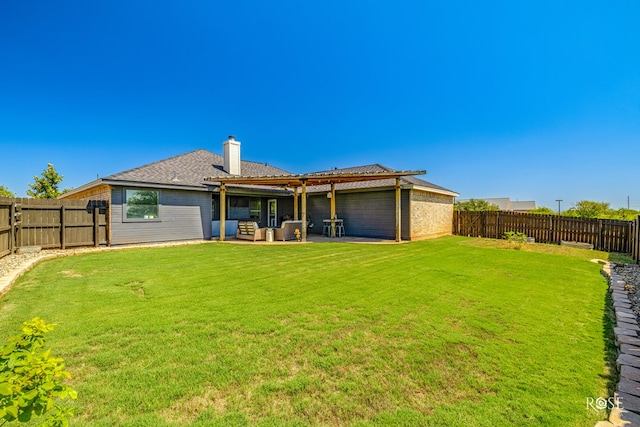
point(632, 317)
point(622, 417)
point(630, 327)
point(630, 373)
point(579, 245)
point(619, 297)
point(625, 317)
point(627, 386)
point(630, 349)
point(627, 324)
point(629, 402)
point(625, 339)
point(627, 359)
point(630, 331)
point(626, 311)
point(29, 250)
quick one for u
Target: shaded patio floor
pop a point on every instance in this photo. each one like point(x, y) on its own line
point(316, 238)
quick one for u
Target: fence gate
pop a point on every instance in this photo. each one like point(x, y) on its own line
point(7, 238)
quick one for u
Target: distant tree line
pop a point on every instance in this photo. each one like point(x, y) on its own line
point(45, 186)
point(582, 209)
point(476, 205)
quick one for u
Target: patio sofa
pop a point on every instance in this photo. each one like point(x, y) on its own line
point(249, 230)
point(287, 230)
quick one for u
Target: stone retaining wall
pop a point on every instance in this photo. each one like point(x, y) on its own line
point(627, 411)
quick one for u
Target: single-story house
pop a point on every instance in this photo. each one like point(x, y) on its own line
point(179, 199)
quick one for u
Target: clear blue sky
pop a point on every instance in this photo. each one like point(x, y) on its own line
point(529, 100)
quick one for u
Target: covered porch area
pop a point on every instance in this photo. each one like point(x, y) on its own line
point(298, 184)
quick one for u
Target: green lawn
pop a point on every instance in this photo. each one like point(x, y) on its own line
point(446, 332)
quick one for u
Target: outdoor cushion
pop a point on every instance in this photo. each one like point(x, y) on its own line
point(249, 230)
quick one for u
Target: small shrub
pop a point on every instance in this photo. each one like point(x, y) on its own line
point(31, 380)
point(515, 239)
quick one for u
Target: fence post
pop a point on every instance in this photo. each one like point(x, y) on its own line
point(17, 224)
point(96, 226)
point(12, 224)
point(636, 238)
point(600, 236)
point(63, 244)
point(455, 227)
point(484, 223)
point(107, 222)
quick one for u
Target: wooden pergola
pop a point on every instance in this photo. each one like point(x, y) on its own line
point(303, 181)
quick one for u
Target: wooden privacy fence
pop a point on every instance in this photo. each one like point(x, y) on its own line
point(604, 234)
point(52, 223)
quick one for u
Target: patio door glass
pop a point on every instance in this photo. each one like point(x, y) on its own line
point(272, 213)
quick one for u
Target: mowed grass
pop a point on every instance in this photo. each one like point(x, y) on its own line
point(446, 332)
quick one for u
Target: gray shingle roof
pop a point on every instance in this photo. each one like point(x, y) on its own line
point(405, 180)
point(190, 169)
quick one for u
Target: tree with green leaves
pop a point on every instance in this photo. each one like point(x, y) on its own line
point(624, 214)
point(46, 186)
point(5, 192)
point(589, 209)
point(543, 211)
point(476, 205)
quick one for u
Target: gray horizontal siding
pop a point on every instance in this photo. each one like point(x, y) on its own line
point(365, 214)
point(184, 215)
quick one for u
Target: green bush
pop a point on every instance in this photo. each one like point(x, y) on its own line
point(515, 239)
point(31, 380)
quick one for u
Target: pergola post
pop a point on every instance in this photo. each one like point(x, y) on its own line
point(304, 210)
point(223, 210)
point(398, 216)
point(296, 214)
point(333, 209)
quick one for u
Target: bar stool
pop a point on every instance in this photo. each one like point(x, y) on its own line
point(340, 229)
point(326, 229)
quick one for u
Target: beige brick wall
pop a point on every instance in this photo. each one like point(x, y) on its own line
point(431, 214)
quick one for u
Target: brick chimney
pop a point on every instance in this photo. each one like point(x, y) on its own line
point(231, 152)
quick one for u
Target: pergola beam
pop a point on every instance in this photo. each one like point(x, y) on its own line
point(313, 179)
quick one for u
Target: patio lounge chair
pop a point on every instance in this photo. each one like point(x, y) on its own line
point(249, 230)
point(287, 230)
